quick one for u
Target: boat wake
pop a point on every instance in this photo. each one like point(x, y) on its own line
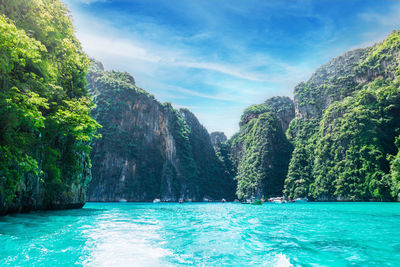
point(281, 260)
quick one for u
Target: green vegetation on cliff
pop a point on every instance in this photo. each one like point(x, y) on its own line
point(260, 150)
point(345, 135)
point(149, 150)
point(45, 123)
point(342, 144)
point(213, 180)
point(395, 171)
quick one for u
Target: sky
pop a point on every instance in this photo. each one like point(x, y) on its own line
point(217, 57)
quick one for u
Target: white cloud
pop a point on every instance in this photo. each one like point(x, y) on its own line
point(388, 19)
point(100, 44)
point(96, 44)
point(165, 69)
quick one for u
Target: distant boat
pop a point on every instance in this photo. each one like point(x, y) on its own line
point(123, 200)
point(236, 201)
point(257, 202)
point(156, 200)
point(253, 201)
point(301, 200)
point(247, 201)
point(181, 201)
point(277, 200)
point(223, 200)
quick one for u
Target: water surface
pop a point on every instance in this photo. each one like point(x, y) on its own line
point(207, 234)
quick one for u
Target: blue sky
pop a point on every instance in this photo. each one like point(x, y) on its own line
point(217, 57)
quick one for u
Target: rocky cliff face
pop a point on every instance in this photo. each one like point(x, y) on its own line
point(260, 151)
point(284, 109)
point(217, 138)
point(212, 183)
point(45, 123)
point(33, 194)
point(331, 82)
point(148, 150)
point(340, 145)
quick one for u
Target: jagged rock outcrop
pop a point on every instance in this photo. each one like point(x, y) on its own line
point(283, 107)
point(331, 82)
point(217, 138)
point(148, 150)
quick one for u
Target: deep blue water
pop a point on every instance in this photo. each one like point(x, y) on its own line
point(206, 234)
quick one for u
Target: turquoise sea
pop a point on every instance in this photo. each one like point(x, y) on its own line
point(205, 234)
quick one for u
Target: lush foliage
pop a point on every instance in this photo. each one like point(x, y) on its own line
point(149, 150)
point(395, 171)
point(261, 151)
point(343, 149)
point(123, 138)
point(213, 179)
point(227, 182)
point(45, 123)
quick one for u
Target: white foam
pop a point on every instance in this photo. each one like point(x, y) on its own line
point(281, 260)
point(124, 244)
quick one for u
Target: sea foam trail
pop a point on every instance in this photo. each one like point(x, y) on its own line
point(281, 260)
point(116, 240)
point(204, 234)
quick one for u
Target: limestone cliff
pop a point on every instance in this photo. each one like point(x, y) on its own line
point(213, 182)
point(260, 151)
point(217, 138)
point(345, 127)
point(284, 109)
point(45, 123)
point(148, 150)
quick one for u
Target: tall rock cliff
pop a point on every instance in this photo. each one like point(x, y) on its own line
point(222, 148)
point(283, 107)
point(45, 123)
point(213, 181)
point(148, 150)
point(260, 151)
point(347, 119)
point(217, 138)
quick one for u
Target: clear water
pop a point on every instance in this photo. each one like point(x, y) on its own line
point(138, 234)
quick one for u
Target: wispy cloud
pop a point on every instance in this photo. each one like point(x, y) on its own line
point(389, 18)
point(246, 78)
point(219, 58)
point(168, 56)
point(378, 25)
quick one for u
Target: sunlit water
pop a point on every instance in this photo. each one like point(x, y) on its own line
point(137, 234)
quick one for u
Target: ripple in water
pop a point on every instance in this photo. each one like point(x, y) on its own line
point(209, 234)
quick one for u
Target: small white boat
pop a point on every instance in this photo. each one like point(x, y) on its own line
point(301, 200)
point(156, 200)
point(123, 200)
point(277, 200)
